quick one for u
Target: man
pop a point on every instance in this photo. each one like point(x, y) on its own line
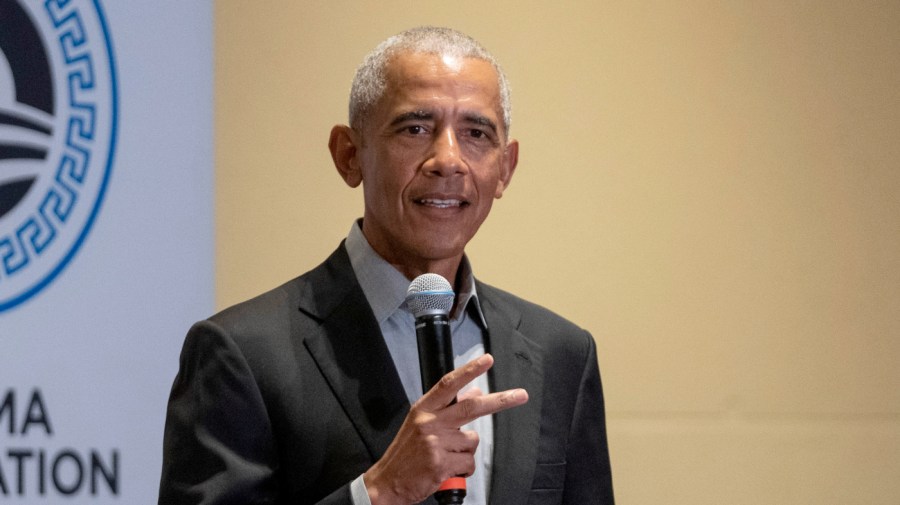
point(310, 393)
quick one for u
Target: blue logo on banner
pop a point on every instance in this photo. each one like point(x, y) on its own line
point(58, 119)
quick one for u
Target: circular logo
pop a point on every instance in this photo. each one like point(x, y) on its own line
point(58, 113)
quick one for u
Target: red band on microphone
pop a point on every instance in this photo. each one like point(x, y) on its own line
point(453, 483)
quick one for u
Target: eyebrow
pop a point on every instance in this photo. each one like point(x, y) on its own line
point(481, 121)
point(417, 115)
point(423, 115)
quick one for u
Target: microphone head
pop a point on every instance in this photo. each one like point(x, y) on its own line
point(429, 294)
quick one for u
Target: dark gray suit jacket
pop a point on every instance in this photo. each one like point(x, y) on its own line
point(288, 397)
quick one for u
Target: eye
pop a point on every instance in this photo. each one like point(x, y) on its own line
point(480, 135)
point(414, 129)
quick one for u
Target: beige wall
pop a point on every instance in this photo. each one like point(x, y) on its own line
point(711, 188)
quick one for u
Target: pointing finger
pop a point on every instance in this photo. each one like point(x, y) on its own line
point(471, 408)
point(469, 393)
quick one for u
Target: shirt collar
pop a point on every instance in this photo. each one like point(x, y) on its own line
point(385, 287)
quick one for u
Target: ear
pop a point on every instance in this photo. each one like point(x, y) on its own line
point(507, 166)
point(343, 144)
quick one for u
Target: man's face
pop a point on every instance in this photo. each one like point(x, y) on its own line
point(432, 158)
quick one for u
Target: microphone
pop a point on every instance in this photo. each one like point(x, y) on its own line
point(430, 298)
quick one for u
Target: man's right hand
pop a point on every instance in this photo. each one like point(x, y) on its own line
point(430, 447)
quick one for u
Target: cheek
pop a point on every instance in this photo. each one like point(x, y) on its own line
point(396, 173)
point(384, 189)
point(491, 185)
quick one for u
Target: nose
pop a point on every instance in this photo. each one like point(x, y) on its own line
point(446, 158)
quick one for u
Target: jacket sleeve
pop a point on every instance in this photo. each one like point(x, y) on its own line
point(218, 447)
point(589, 480)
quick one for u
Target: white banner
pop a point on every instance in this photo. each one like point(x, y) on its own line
point(106, 238)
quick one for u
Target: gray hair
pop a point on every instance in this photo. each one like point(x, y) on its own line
point(369, 82)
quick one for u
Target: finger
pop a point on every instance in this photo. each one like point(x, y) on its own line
point(459, 464)
point(472, 392)
point(469, 409)
point(450, 384)
point(465, 441)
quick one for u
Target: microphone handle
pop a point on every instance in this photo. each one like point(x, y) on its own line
point(436, 360)
point(435, 348)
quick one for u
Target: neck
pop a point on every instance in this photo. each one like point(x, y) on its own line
point(447, 269)
point(412, 264)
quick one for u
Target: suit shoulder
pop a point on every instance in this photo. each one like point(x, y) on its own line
point(538, 323)
point(257, 334)
point(261, 314)
point(513, 304)
point(271, 319)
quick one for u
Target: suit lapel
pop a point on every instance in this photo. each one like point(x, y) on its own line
point(517, 364)
point(350, 351)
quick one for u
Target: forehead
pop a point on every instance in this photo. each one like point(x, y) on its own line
point(410, 76)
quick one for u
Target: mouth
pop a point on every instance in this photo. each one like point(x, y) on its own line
point(441, 203)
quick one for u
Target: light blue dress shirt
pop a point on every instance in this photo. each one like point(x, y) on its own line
point(385, 289)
